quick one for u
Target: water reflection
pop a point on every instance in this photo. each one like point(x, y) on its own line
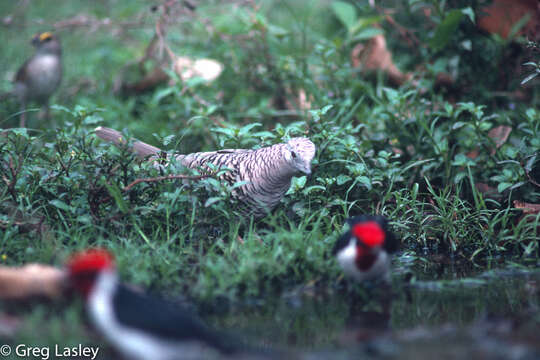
point(488, 315)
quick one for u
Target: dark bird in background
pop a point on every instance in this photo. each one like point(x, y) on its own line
point(39, 77)
point(363, 251)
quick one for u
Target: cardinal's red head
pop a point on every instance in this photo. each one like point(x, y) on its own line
point(85, 266)
point(369, 234)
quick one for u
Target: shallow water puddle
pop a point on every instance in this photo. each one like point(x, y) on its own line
point(491, 315)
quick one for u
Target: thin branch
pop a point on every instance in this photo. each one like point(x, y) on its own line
point(168, 177)
point(531, 180)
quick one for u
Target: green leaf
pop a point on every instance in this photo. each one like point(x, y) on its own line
point(92, 120)
point(364, 22)
point(143, 235)
point(231, 23)
point(325, 109)
point(463, 160)
point(80, 110)
point(211, 201)
point(264, 135)
point(115, 192)
point(62, 108)
point(346, 13)
point(317, 113)
point(367, 33)
point(239, 184)
point(61, 205)
point(460, 176)
point(297, 184)
point(519, 25)
point(364, 180)
point(226, 131)
point(342, 179)
point(530, 63)
point(245, 129)
point(503, 186)
point(530, 163)
point(168, 139)
point(277, 31)
point(23, 132)
point(310, 189)
point(446, 30)
point(85, 219)
point(162, 94)
point(530, 77)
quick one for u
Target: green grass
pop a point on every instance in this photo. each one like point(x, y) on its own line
point(398, 152)
point(401, 153)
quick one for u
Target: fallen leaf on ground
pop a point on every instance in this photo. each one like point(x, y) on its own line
point(473, 154)
point(499, 134)
point(527, 208)
point(502, 15)
point(374, 55)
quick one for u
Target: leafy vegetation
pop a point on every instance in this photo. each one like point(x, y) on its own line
point(428, 157)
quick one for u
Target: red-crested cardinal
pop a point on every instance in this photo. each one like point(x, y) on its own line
point(138, 325)
point(363, 251)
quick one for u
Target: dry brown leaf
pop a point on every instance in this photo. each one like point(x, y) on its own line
point(499, 134)
point(502, 15)
point(473, 154)
point(527, 208)
point(374, 55)
point(30, 280)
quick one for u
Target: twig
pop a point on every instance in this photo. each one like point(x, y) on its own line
point(14, 172)
point(531, 180)
point(161, 178)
